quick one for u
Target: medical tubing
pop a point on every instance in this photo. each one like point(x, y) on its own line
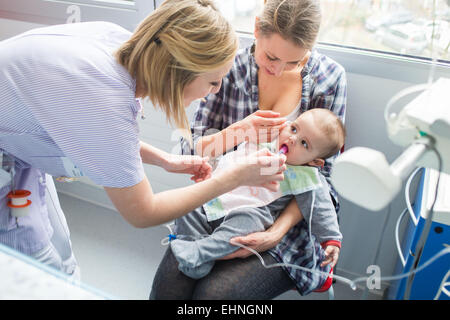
point(414, 271)
point(326, 274)
point(411, 214)
point(407, 209)
point(424, 235)
point(413, 89)
point(407, 197)
point(351, 283)
point(309, 229)
point(442, 288)
point(389, 105)
point(397, 240)
point(401, 94)
point(171, 236)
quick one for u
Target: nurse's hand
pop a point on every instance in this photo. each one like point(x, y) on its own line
point(197, 166)
point(262, 169)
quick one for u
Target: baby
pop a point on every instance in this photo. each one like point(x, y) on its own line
point(203, 235)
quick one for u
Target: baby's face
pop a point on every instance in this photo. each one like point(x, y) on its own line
point(304, 141)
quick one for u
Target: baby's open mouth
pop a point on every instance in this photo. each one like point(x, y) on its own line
point(284, 149)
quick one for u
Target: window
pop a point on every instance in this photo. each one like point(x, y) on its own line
point(241, 13)
point(127, 13)
point(125, 4)
point(365, 24)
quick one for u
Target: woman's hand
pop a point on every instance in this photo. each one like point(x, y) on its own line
point(331, 256)
point(265, 240)
point(258, 241)
point(262, 126)
point(197, 166)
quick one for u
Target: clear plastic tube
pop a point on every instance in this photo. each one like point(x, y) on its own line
point(397, 240)
point(407, 198)
point(351, 283)
point(414, 271)
point(444, 283)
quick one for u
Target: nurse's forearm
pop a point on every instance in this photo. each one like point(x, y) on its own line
point(217, 144)
point(142, 208)
point(172, 204)
point(152, 155)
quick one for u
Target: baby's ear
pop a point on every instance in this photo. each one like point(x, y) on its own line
point(317, 163)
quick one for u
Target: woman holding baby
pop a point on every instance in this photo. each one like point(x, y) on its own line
point(278, 77)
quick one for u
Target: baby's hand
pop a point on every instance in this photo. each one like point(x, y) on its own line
point(331, 256)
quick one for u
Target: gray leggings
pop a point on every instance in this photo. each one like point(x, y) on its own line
point(237, 279)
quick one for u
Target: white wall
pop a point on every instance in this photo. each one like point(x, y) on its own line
point(371, 83)
point(10, 28)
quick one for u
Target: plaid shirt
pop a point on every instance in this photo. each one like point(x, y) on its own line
point(324, 85)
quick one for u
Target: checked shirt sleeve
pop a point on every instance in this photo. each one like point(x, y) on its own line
point(207, 120)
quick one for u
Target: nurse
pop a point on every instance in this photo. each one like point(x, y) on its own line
point(69, 106)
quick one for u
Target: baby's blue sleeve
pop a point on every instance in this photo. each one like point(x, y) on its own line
point(324, 224)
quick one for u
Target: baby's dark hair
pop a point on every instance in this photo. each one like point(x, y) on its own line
point(332, 127)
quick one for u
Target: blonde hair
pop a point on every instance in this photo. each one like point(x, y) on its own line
point(172, 46)
point(331, 126)
point(295, 20)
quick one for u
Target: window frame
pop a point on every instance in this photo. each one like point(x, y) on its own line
point(380, 64)
point(355, 60)
point(56, 11)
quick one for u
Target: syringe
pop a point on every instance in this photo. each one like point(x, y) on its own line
point(283, 149)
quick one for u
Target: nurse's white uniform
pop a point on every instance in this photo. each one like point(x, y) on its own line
point(67, 109)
